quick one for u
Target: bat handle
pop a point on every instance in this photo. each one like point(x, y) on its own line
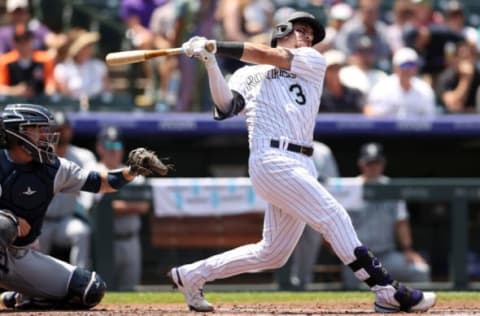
point(210, 46)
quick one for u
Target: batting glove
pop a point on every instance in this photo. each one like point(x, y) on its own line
point(205, 56)
point(192, 44)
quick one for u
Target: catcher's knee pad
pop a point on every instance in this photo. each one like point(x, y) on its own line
point(368, 268)
point(8, 228)
point(86, 289)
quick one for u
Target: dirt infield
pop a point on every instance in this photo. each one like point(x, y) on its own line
point(329, 308)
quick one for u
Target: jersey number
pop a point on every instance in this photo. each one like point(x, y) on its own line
point(300, 97)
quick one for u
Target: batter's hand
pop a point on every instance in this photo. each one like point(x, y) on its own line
point(193, 43)
point(197, 47)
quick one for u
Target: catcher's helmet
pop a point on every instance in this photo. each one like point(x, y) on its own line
point(283, 29)
point(16, 117)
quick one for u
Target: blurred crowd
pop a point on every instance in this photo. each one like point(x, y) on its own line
point(401, 58)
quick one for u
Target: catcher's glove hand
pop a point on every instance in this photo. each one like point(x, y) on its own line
point(145, 162)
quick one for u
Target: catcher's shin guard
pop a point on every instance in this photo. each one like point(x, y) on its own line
point(86, 289)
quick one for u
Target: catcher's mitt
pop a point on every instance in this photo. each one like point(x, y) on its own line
point(145, 162)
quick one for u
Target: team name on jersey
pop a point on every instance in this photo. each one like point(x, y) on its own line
point(274, 73)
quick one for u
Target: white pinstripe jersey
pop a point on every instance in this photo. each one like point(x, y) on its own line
point(281, 103)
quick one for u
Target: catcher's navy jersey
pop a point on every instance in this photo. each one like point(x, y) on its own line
point(27, 189)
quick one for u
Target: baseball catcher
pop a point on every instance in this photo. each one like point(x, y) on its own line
point(30, 176)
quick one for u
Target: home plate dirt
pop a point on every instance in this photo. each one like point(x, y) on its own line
point(350, 307)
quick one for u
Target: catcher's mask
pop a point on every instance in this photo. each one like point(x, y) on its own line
point(283, 29)
point(33, 128)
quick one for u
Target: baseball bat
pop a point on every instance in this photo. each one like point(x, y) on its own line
point(137, 56)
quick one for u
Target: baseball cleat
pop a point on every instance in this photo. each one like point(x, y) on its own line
point(193, 295)
point(390, 299)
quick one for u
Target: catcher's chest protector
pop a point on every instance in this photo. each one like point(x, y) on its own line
point(27, 192)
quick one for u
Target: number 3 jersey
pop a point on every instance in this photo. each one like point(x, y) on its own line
point(282, 103)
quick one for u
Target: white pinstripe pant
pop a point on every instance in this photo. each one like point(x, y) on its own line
point(288, 182)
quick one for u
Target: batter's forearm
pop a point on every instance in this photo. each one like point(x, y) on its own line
point(255, 53)
point(263, 54)
point(221, 94)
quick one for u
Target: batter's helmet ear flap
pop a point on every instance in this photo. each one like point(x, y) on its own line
point(280, 31)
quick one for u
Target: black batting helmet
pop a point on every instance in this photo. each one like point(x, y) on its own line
point(283, 29)
point(16, 117)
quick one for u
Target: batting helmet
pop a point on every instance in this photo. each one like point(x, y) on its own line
point(16, 117)
point(283, 29)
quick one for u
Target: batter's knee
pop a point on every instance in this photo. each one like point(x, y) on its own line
point(274, 256)
point(86, 289)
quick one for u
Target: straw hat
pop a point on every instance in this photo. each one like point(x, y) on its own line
point(83, 39)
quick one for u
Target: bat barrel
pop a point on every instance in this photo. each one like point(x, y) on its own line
point(126, 57)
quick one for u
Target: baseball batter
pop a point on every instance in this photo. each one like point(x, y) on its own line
point(30, 175)
point(279, 96)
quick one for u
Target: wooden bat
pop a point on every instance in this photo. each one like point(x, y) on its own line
point(137, 56)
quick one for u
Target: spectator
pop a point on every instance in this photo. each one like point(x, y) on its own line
point(245, 20)
point(425, 14)
point(360, 73)
point(433, 43)
point(366, 22)
point(458, 85)
point(384, 224)
point(162, 26)
point(338, 15)
point(25, 72)
point(305, 255)
point(82, 75)
point(337, 97)
point(193, 18)
point(127, 222)
point(19, 14)
point(66, 221)
point(455, 20)
point(136, 16)
point(402, 94)
point(403, 16)
point(258, 17)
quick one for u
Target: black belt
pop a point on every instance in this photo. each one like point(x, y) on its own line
point(307, 151)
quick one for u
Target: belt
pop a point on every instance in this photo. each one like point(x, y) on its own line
point(307, 151)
